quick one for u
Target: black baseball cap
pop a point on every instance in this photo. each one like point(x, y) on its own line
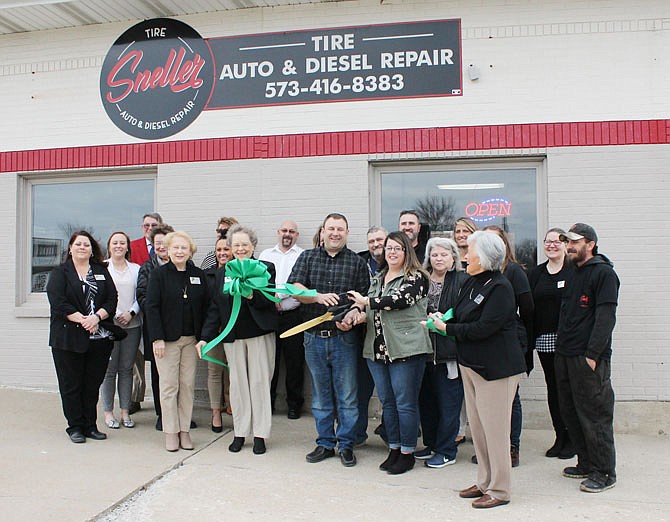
point(579, 231)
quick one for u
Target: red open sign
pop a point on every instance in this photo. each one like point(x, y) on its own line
point(488, 210)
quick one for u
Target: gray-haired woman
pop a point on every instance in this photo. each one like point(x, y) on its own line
point(491, 362)
point(441, 393)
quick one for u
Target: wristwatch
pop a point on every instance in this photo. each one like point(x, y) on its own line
point(132, 313)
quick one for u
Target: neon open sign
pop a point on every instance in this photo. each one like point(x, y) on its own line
point(488, 210)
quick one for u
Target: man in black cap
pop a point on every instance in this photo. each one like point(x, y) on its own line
point(583, 353)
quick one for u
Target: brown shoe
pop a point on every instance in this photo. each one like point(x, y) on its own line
point(471, 492)
point(171, 441)
point(487, 501)
point(185, 440)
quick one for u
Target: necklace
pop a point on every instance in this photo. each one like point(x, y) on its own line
point(185, 293)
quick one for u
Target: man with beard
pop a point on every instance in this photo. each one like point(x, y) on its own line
point(375, 252)
point(284, 255)
point(410, 225)
point(583, 353)
point(332, 349)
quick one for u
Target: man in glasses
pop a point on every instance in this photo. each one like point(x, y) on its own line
point(284, 255)
point(141, 249)
point(222, 227)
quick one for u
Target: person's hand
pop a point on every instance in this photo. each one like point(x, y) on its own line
point(360, 300)
point(591, 363)
point(437, 321)
point(328, 299)
point(199, 347)
point(159, 348)
point(90, 323)
point(124, 318)
point(360, 317)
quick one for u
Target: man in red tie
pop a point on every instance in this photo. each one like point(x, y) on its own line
point(141, 249)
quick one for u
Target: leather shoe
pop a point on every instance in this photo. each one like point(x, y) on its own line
point(471, 492)
point(77, 437)
point(171, 442)
point(487, 501)
point(185, 440)
point(193, 425)
point(259, 446)
point(93, 433)
point(293, 414)
point(159, 423)
point(347, 457)
point(236, 445)
point(134, 408)
point(320, 453)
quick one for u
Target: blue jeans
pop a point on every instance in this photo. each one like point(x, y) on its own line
point(440, 401)
point(398, 384)
point(365, 388)
point(515, 433)
point(332, 363)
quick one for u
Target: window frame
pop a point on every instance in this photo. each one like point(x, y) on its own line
point(36, 304)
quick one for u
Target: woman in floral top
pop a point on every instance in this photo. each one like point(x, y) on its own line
point(396, 345)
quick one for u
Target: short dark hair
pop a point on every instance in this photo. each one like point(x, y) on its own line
point(163, 229)
point(154, 215)
point(96, 251)
point(409, 211)
point(335, 215)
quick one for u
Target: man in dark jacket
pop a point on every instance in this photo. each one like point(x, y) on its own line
point(583, 353)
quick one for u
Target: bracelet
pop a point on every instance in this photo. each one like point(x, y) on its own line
point(98, 316)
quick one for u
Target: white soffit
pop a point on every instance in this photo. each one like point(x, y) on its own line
point(19, 16)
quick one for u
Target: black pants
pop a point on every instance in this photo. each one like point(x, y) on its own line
point(587, 407)
point(79, 378)
point(293, 352)
point(547, 361)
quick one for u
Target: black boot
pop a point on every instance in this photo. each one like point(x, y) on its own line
point(390, 460)
point(568, 449)
point(404, 463)
point(555, 450)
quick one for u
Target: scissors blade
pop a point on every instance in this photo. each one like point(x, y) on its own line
point(307, 325)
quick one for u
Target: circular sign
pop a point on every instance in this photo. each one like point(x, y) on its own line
point(156, 78)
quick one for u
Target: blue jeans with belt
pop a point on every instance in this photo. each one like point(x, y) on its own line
point(398, 384)
point(332, 363)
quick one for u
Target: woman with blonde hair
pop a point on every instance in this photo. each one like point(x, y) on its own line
point(176, 305)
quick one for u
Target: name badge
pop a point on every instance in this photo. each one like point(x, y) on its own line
point(99, 277)
point(479, 299)
point(195, 280)
point(560, 284)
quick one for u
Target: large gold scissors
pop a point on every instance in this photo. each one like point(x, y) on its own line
point(334, 313)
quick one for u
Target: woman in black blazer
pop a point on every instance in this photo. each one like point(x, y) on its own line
point(175, 307)
point(249, 347)
point(82, 297)
point(491, 361)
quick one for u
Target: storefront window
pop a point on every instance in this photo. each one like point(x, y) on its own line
point(506, 197)
point(100, 207)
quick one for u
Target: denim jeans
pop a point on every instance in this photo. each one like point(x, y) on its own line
point(398, 384)
point(440, 402)
point(365, 388)
point(517, 418)
point(332, 363)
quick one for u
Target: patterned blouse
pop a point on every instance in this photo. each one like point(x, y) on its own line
point(413, 288)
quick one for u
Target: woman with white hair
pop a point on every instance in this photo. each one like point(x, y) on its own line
point(441, 394)
point(491, 362)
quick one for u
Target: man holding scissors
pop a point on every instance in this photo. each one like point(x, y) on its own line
point(332, 347)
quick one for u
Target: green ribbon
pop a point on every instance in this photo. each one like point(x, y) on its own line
point(243, 276)
point(448, 316)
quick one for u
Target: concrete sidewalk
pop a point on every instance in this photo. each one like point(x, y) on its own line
point(131, 477)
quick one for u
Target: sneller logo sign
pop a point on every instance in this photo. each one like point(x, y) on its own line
point(157, 78)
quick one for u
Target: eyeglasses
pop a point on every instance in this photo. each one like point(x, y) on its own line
point(150, 225)
point(557, 242)
point(394, 249)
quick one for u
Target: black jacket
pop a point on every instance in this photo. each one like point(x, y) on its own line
point(141, 295)
point(64, 290)
point(485, 327)
point(259, 309)
point(444, 348)
point(163, 306)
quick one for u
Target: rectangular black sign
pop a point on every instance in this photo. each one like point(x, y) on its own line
point(412, 59)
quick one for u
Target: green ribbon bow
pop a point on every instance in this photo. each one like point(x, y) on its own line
point(243, 276)
point(448, 315)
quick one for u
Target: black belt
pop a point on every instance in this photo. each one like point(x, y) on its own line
point(326, 333)
point(292, 310)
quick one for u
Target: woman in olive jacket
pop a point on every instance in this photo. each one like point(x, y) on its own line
point(491, 361)
point(83, 298)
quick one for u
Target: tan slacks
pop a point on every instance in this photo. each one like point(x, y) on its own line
point(218, 379)
point(489, 407)
point(251, 367)
point(177, 382)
